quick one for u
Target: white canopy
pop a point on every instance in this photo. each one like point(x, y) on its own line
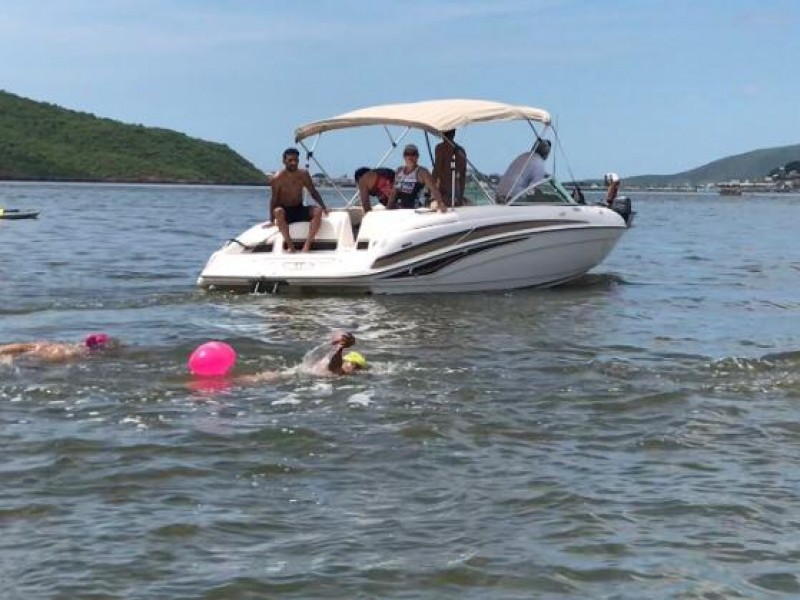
point(435, 116)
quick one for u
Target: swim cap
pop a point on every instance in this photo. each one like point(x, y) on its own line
point(96, 341)
point(356, 358)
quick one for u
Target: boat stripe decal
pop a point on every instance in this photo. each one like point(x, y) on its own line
point(440, 262)
point(469, 235)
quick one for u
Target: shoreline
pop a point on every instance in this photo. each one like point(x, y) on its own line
point(10, 183)
point(72, 182)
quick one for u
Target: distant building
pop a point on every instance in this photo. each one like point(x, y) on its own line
point(787, 177)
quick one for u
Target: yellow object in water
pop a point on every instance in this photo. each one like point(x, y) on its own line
point(2, 210)
point(356, 358)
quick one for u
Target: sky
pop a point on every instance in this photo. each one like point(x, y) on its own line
point(634, 86)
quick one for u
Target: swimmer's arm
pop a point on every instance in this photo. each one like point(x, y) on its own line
point(335, 363)
point(16, 349)
point(264, 377)
point(312, 189)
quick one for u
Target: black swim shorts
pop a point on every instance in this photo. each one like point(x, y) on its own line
point(295, 214)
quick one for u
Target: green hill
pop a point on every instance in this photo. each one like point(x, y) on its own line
point(40, 141)
point(753, 165)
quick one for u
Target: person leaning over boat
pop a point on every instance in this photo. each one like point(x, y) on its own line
point(446, 154)
point(612, 184)
point(374, 182)
point(524, 171)
point(409, 180)
point(286, 204)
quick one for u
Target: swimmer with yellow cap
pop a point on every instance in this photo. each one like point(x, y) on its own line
point(356, 359)
point(323, 361)
point(345, 364)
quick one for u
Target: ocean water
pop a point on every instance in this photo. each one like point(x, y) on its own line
point(634, 434)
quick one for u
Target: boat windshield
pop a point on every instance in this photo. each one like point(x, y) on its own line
point(478, 192)
point(547, 191)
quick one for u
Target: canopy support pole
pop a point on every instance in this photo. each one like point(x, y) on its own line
point(310, 156)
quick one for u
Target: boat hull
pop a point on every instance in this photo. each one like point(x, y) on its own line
point(471, 250)
point(541, 259)
point(13, 214)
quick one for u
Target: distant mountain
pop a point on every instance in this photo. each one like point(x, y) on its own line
point(40, 141)
point(753, 165)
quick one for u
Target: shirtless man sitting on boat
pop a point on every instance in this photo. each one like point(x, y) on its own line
point(286, 205)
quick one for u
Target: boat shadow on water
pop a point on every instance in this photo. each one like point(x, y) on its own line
point(594, 281)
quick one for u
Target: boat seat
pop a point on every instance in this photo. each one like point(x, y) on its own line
point(356, 214)
point(379, 223)
point(335, 232)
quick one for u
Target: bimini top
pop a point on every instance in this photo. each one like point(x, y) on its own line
point(434, 116)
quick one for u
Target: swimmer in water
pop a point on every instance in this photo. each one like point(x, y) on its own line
point(345, 364)
point(55, 352)
point(326, 360)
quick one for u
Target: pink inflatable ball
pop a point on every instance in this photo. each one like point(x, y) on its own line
point(212, 359)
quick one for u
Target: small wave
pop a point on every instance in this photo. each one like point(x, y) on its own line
point(33, 512)
point(781, 582)
point(778, 372)
point(768, 362)
point(145, 276)
point(695, 257)
point(595, 280)
point(95, 300)
point(185, 232)
point(792, 357)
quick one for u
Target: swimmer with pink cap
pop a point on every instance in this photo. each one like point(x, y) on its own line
point(56, 351)
point(96, 341)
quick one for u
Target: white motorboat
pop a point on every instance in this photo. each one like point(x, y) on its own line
point(541, 237)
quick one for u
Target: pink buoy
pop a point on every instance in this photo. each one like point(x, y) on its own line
point(212, 359)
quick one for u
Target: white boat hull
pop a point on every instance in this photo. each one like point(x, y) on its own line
point(410, 252)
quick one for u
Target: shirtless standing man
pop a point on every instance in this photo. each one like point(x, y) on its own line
point(446, 155)
point(286, 205)
point(612, 184)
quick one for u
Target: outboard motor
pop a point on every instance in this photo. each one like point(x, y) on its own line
point(622, 206)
